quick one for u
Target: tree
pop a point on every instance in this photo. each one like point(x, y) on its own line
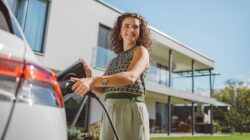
point(237, 95)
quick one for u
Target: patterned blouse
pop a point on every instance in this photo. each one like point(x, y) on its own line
point(120, 64)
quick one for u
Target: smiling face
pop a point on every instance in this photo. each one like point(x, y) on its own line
point(130, 30)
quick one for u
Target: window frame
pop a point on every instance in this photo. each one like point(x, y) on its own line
point(106, 47)
point(45, 26)
point(106, 28)
point(165, 117)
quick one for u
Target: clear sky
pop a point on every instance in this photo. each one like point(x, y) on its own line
point(219, 29)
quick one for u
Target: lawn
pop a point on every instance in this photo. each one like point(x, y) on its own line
point(228, 137)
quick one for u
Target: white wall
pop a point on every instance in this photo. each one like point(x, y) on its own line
point(72, 31)
point(150, 103)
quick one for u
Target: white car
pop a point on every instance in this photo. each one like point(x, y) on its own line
point(31, 103)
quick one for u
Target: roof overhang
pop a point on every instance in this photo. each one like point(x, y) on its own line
point(182, 54)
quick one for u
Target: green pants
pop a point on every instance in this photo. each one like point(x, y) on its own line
point(130, 119)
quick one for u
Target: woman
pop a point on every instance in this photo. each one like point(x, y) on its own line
point(124, 80)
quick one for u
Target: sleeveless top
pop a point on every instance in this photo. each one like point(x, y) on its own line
point(120, 64)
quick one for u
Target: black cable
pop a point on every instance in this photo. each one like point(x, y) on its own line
point(91, 94)
point(78, 70)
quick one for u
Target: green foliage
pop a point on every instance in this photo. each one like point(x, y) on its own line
point(75, 134)
point(95, 131)
point(78, 134)
point(237, 95)
point(235, 136)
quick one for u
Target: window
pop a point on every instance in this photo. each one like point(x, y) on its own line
point(7, 23)
point(161, 117)
point(32, 15)
point(104, 37)
point(3, 23)
point(163, 72)
point(104, 52)
point(4, 17)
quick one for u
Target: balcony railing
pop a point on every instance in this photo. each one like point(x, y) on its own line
point(158, 75)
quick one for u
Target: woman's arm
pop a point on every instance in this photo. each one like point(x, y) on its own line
point(98, 90)
point(138, 64)
point(101, 90)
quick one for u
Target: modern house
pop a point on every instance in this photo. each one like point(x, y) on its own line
point(180, 80)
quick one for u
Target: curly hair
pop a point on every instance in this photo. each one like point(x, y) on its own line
point(144, 38)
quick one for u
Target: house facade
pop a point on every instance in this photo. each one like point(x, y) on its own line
point(180, 79)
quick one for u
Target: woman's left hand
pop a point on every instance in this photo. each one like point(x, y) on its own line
point(82, 85)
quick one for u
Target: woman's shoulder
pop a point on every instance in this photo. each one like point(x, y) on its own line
point(141, 50)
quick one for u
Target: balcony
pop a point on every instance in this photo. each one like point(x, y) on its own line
point(158, 75)
point(180, 81)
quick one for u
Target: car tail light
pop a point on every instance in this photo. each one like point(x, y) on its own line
point(36, 82)
point(10, 68)
point(10, 72)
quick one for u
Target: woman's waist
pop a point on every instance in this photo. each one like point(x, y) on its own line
point(126, 89)
point(125, 95)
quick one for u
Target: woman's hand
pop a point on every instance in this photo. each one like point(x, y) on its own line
point(82, 86)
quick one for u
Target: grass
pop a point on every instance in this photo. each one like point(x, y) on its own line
point(235, 136)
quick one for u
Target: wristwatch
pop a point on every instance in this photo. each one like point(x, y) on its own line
point(104, 81)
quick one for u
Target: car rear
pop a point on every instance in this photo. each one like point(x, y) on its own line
point(31, 103)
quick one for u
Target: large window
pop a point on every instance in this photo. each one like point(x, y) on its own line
point(161, 117)
point(104, 52)
point(32, 15)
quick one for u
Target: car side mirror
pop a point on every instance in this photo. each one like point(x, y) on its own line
point(75, 70)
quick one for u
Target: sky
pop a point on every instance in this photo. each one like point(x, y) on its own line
point(218, 29)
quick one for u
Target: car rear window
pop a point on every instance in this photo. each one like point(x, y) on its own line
point(7, 23)
point(3, 22)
